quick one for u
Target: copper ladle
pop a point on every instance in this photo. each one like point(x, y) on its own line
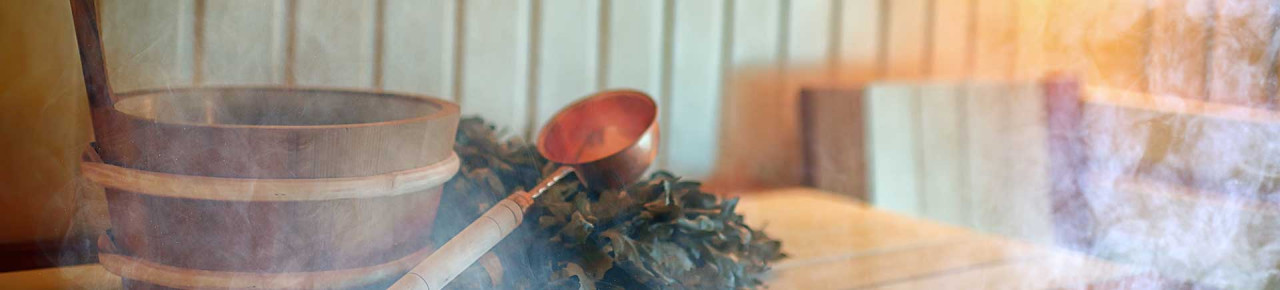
point(607, 139)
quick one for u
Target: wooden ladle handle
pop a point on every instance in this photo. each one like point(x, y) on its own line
point(476, 239)
point(465, 248)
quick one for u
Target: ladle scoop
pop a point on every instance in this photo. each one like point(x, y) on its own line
point(607, 140)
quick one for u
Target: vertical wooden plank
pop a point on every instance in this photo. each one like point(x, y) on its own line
point(1032, 19)
point(148, 43)
point(335, 43)
point(859, 40)
point(808, 36)
point(944, 193)
point(753, 102)
point(635, 46)
point(907, 40)
point(567, 54)
point(634, 52)
point(695, 87)
point(244, 42)
point(1116, 44)
point(949, 51)
point(1178, 56)
point(892, 120)
point(756, 35)
point(1242, 31)
point(1008, 160)
point(419, 52)
point(495, 61)
point(995, 36)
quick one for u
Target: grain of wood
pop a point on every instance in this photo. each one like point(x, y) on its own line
point(696, 87)
point(635, 46)
point(1178, 57)
point(495, 59)
point(808, 33)
point(148, 44)
point(834, 134)
point(1115, 42)
point(1030, 62)
point(752, 104)
point(892, 122)
point(944, 191)
point(950, 55)
point(1007, 160)
point(335, 43)
point(567, 54)
point(859, 41)
point(995, 36)
point(907, 42)
point(418, 54)
point(244, 42)
point(1242, 31)
point(634, 52)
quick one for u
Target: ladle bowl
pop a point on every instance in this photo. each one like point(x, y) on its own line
point(609, 138)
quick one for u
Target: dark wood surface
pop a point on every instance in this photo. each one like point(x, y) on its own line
point(832, 125)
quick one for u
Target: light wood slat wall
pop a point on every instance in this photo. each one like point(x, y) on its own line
point(952, 40)
point(1176, 64)
point(945, 192)
point(568, 54)
point(726, 71)
point(1241, 33)
point(148, 43)
point(893, 147)
point(495, 67)
point(418, 53)
point(698, 45)
point(334, 43)
point(966, 153)
point(248, 37)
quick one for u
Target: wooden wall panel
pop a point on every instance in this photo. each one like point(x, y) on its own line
point(418, 54)
point(952, 40)
point(858, 45)
point(907, 39)
point(944, 191)
point(1115, 39)
point(1242, 31)
point(753, 97)
point(495, 62)
point(1007, 160)
point(567, 59)
point(1178, 56)
point(148, 43)
point(635, 46)
point(635, 55)
point(243, 42)
point(995, 36)
point(1031, 60)
point(696, 81)
point(334, 43)
point(835, 140)
point(893, 146)
point(726, 72)
point(808, 40)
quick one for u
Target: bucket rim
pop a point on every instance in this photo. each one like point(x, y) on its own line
point(446, 108)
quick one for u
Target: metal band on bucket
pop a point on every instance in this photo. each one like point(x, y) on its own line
point(249, 189)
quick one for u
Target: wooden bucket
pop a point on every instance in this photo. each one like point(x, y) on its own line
point(270, 187)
